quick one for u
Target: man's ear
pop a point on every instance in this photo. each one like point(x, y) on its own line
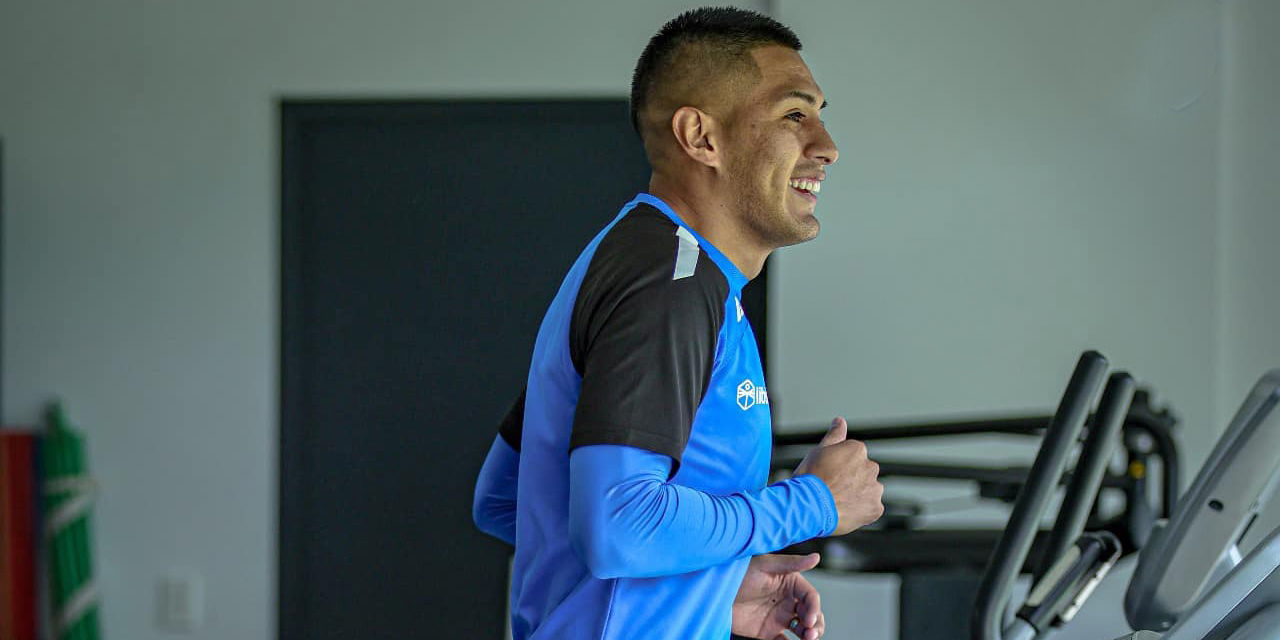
point(697, 134)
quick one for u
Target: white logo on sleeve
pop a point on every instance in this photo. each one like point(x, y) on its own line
point(749, 395)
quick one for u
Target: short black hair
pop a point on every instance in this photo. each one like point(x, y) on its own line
point(730, 31)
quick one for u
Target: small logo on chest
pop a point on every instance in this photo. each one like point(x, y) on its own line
point(749, 395)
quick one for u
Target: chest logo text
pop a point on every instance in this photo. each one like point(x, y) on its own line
point(749, 395)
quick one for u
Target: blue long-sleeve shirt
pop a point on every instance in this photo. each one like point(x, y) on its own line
point(494, 506)
point(641, 446)
point(628, 520)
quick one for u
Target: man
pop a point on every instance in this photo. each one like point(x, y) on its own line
point(631, 474)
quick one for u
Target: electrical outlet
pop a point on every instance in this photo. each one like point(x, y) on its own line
point(180, 600)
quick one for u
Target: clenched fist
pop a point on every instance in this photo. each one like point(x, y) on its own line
point(852, 478)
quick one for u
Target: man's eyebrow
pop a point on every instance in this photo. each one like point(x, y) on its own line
point(807, 97)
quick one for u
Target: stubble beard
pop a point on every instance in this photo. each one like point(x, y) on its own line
point(769, 221)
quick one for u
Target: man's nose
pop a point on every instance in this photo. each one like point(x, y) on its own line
point(824, 148)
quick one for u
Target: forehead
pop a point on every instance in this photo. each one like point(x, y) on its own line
point(782, 70)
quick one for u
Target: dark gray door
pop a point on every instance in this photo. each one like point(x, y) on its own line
point(422, 242)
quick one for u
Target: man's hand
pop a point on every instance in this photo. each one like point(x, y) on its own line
point(773, 594)
point(849, 474)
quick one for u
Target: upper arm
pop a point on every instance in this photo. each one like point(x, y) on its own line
point(643, 336)
point(608, 485)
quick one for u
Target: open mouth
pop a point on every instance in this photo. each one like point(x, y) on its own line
point(807, 188)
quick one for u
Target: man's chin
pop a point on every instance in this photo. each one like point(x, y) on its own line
point(807, 227)
point(805, 230)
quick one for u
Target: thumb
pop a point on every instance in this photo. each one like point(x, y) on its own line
point(781, 563)
point(839, 431)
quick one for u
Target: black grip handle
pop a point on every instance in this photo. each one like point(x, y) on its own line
point(1046, 472)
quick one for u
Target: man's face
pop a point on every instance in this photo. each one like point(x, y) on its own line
point(777, 148)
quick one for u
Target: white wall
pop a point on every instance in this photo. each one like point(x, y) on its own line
point(1019, 181)
point(141, 248)
point(1249, 197)
point(1015, 185)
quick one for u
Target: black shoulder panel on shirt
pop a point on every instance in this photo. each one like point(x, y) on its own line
point(512, 426)
point(643, 335)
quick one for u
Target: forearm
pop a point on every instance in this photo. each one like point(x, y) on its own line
point(494, 505)
point(626, 520)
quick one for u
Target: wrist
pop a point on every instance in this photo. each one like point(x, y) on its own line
point(825, 500)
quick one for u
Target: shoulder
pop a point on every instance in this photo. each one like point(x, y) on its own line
point(648, 277)
point(647, 250)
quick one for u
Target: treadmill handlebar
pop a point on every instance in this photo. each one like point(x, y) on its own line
point(1082, 491)
point(1011, 550)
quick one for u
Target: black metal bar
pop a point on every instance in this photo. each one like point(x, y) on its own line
point(1077, 502)
point(1014, 476)
point(1011, 476)
point(1027, 425)
point(1011, 551)
point(1141, 416)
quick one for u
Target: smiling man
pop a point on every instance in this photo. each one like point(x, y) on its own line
point(631, 475)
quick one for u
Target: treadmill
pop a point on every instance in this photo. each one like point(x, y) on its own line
point(1193, 580)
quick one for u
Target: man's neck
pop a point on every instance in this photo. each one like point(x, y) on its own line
point(713, 219)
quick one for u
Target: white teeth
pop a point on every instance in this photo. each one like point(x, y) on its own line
point(812, 186)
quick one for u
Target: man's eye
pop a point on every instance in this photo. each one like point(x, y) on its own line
point(796, 116)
